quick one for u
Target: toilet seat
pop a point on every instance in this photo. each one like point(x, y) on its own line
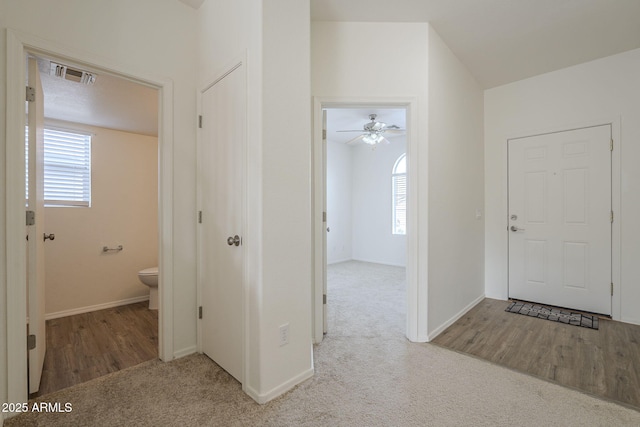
point(153, 271)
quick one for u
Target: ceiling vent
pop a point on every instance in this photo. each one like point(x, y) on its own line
point(64, 72)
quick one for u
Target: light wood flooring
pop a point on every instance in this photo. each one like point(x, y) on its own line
point(89, 345)
point(604, 362)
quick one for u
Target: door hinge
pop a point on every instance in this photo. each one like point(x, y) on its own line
point(30, 94)
point(611, 288)
point(200, 312)
point(324, 299)
point(31, 342)
point(324, 134)
point(611, 146)
point(31, 217)
point(612, 217)
point(200, 122)
point(199, 217)
point(324, 217)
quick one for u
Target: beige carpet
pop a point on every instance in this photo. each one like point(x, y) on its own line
point(367, 374)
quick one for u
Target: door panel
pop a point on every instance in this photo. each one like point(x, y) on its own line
point(220, 178)
point(35, 245)
point(325, 321)
point(560, 219)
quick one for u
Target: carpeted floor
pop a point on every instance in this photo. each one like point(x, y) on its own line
point(366, 374)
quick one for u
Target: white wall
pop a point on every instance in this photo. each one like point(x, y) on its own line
point(124, 200)
point(450, 240)
point(359, 204)
point(154, 37)
point(372, 239)
point(339, 201)
point(456, 190)
point(590, 93)
point(341, 68)
point(274, 36)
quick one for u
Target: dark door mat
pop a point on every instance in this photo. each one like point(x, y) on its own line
point(554, 314)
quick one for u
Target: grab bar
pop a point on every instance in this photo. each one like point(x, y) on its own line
point(108, 249)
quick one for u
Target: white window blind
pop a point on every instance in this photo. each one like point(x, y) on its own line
point(67, 168)
point(399, 196)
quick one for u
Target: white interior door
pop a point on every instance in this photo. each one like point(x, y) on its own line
point(35, 243)
point(560, 219)
point(220, 178)
point(325, 224)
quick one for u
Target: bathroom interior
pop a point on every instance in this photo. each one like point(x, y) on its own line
point(101, 268)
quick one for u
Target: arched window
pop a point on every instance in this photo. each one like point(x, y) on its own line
point(399, 196)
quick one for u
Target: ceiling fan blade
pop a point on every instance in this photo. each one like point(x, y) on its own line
point(359, 130)
point(395, 130)
point(355, 140)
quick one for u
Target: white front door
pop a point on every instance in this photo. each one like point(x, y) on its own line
point(221, 261)
point(35, 243)
point(560, 219)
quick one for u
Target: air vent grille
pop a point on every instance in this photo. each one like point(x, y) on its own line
point(74, 75)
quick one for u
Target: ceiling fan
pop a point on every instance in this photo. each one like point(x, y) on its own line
point(372, 132)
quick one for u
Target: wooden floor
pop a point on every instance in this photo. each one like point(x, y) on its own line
point(604, 362)
point(86, 346)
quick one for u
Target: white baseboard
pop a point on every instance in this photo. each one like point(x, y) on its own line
point(185, 352)
point(339, 261)
point(96, 307)
point(378, 262)
point(451, 321)
point(280, 390)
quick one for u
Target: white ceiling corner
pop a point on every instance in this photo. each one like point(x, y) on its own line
point(502, 41)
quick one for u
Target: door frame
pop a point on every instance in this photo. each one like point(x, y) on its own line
point(615, 123)
point(18, 45)
point(416, 289)
point(240, 62)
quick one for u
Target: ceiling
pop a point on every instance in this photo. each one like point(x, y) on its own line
point(111, 102)
point(499, 41)
point(502, 41)
point(356, 118)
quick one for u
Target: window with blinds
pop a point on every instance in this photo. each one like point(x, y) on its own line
point(399, 196)
point(67, 168)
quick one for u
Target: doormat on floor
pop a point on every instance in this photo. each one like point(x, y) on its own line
point(554, 314)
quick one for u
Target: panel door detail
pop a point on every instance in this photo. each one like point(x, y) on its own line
point(221, 263)
point(560, 219)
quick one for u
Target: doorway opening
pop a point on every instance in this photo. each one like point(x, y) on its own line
point(18, 46)
point(100, 184)
point(366, 210)
point(363, 210)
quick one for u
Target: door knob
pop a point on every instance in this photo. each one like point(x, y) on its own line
point(235, 240)
point(514, 228)
point(49, 236)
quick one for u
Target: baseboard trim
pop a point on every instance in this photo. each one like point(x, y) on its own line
point(378, 262)
point(96, 307)
point(339, 261)
point(445, 325)
point(185, 352)
point(279, 390)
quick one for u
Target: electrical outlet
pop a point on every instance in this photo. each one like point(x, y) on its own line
point(284, 334)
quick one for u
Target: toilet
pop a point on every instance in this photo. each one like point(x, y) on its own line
point(149, 276)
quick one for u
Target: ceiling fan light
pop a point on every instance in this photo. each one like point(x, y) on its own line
point(369, 139)
point(372, 138)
